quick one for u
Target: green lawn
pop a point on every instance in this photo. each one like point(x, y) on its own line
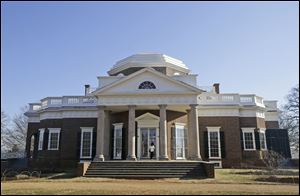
point(227, 181)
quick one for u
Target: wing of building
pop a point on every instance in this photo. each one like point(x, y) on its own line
point(152, 98)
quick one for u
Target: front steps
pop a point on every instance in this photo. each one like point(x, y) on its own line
point(150, 169)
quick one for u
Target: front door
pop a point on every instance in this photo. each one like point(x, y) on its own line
point(148, 136)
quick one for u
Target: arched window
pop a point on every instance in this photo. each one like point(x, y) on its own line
point(147, 85)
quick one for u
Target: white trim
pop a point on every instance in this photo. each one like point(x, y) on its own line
point(180, 125)
point(214, 129)
point(54, 130)
point(117, 126)
point(87, 130)
point(220, 163)
point(263, 130)
point(147, 69)
point(41, 138)
point(249, 130)
point(147, 120)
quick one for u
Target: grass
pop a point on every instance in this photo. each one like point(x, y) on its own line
point(227, 181)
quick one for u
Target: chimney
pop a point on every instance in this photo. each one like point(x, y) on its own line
point(86, 89)
point(217, 87)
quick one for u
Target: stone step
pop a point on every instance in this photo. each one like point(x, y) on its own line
point(155, 169)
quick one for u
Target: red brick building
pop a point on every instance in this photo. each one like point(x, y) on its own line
point(150, 98)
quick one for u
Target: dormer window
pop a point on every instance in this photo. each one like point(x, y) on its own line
point(147, 85)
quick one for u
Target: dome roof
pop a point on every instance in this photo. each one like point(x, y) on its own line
point(148, 60)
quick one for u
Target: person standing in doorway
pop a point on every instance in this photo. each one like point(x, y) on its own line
point(151, 150)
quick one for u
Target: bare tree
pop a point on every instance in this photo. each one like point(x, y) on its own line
point(14, 138)
point(289, 118)
point(4, 127)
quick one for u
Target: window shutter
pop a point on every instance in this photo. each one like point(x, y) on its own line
point(242, 141)
point(173, 141)
point(112, 143)
point(206, 144)
point(46, 139)
point(123, 143)
point(186, 143)
point(222, 142)
point(94, 140)
point(257, 140)
point(78, 143)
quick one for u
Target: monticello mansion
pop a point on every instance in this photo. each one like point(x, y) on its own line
point(153, 98)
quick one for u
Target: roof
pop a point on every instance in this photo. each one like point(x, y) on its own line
point(148, 60)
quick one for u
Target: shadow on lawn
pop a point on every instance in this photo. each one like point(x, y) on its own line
point(63, 175)
point(290, 180)
point(266, 172)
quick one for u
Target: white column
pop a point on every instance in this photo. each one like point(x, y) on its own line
point(100, 134)
point(131, 133)
point(194, 133)
point(163, 154)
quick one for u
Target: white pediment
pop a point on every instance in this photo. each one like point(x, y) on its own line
point(164, 85)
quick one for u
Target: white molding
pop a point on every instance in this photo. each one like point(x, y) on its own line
point(149, 99)
point(263, 130)
point(271, 116)
point(182, 126)
point(147, 120)
point(249, 130)
point(54, 130)
point(88, 130)
point(214, 129)
point(41, 138)
point(116, 127)
point(220, 163)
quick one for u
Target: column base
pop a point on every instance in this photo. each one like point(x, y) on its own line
point(99, 158)
point(163, 158)
point(195, 158)
point(131, 158)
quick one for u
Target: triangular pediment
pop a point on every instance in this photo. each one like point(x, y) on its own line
point(147, 117)
point(163, 85)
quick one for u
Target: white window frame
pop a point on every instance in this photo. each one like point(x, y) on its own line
point(263, 130)
point(249, 130)
point(116, 127)
point(182, 126)
point(54, 130)
point(209, 130)
point(41, 138)
point(88, 130)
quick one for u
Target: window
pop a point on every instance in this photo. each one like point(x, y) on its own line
point(249, 139)
point(53, 142)
point(214, 145)
point(118, 140)
point(32, 146)
point(179, 141)
point(262, 139)
point(147, 85)
point(41, 139)
point(86, 142)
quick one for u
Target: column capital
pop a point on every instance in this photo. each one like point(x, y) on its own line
point(193, 105)
point(131, 106)
point(101, 107)
point(163, 106)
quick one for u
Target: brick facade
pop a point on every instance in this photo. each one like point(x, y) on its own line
point(68, 154)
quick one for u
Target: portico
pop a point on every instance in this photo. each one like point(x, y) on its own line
point(146, 128)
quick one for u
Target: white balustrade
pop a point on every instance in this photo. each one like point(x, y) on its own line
point(63, 101)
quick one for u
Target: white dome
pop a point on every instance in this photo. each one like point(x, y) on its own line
point(149, 60)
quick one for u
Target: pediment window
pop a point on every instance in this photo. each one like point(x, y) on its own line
point(147, 85)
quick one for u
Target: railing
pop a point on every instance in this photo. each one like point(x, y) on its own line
point(63, 101)
point(229, 99)
point(271, 105)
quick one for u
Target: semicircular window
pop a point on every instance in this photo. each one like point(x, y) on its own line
point(147, 85)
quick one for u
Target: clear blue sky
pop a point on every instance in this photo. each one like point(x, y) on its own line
point(54, 48)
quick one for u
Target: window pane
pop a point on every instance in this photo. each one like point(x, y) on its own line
point(214, 144)
point(86, 144)
point(248, 137)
